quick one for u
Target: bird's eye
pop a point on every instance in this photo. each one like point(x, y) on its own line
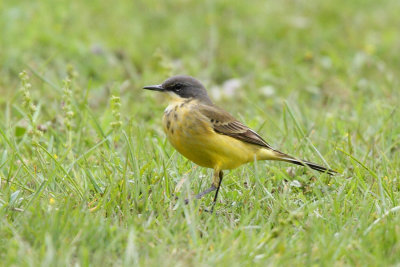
point(178, 87)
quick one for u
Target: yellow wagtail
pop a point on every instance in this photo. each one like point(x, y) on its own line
point(211, 137)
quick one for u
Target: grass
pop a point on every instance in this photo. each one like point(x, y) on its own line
point(88, 179)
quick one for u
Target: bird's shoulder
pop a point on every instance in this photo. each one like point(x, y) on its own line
point(224, 123)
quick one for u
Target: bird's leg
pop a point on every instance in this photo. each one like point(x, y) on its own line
point(219, 175)
point(215, 185)
point(205, 192)
point(209, 190)
point(217, 178)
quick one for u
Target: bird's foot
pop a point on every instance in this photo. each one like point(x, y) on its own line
point(211, 211)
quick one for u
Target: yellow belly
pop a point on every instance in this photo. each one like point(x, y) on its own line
point(192, 135)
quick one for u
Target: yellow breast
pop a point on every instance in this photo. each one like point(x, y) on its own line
point(191, 133)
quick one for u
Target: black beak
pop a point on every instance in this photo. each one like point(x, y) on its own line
point(157, 87)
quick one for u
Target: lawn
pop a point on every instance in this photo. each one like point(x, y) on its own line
point(87, 177)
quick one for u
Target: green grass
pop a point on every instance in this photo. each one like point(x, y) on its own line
point(319, 80)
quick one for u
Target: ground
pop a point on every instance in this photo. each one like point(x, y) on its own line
point(88, 178)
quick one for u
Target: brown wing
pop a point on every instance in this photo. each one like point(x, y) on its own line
point(225, 123)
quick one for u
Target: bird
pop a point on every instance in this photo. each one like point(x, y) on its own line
point(211, 137)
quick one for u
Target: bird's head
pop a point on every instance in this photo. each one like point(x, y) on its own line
point(182, 87)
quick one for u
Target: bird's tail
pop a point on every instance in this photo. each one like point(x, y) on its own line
point(287, 158)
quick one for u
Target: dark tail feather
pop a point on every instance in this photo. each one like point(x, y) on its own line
point(312, 165)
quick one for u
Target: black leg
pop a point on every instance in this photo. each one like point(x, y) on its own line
point(221, 175)
point(209, 190)
point(200, 195)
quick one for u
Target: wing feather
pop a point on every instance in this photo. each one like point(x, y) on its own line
point(224, 123)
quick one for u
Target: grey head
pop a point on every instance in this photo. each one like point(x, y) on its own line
point(184, 87)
